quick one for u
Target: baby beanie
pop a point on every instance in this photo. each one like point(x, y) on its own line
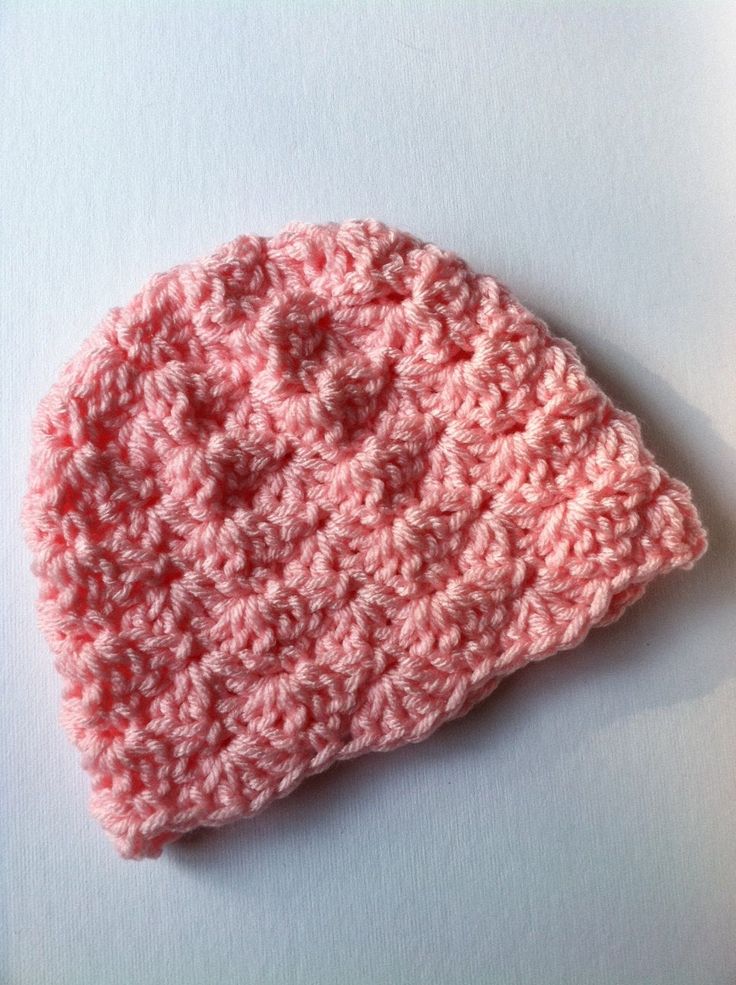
point(312, 496)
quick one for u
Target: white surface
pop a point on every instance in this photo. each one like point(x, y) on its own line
point(578, 827)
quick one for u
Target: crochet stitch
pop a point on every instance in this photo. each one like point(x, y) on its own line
point(315, 495)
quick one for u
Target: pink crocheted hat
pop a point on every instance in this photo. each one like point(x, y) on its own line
point(312, 496)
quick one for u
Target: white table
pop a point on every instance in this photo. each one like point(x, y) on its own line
point(578, 827)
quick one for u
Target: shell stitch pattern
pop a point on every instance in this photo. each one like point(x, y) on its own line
point(312, 496)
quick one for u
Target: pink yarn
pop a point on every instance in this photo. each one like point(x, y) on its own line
point(312, 496)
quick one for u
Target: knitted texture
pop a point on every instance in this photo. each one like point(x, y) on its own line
point(315, 495)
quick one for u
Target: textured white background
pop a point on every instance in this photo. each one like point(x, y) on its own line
point(578, 827)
